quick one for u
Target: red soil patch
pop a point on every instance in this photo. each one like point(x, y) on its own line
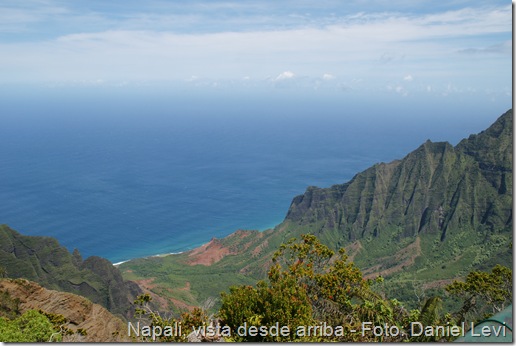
point(147, 285)
point(257, 250)
point(208, 254)
point(186, 288)
point(240, 245)
point(241, 233)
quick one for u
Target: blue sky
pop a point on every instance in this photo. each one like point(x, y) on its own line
point(396, 47)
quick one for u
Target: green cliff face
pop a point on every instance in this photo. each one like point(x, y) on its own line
point(43, 260)
point(424, 220)
point(436, 189)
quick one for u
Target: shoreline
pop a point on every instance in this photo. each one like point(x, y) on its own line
point(158, 255)
point(190, 249)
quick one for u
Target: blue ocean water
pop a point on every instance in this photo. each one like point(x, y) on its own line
point(124, 179)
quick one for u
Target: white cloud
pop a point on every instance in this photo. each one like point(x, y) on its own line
point(350, 46)
point(328, 76)
point(285, 75)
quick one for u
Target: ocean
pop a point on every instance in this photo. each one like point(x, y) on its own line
point(124, 177)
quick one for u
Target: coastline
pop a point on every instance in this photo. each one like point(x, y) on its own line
point(158, 255)
point(189, 249)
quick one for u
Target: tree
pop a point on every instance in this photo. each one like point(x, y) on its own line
point(197, 317)
point(483, 293)
point(309, 285)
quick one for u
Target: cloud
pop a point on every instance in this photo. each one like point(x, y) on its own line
point(285, 75)
point(328, 76)
point(500, 48)
point(19, 18)
point(373, 47)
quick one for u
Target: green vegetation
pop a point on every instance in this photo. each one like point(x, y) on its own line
point(194, 285)
point(483, 294)
point(154, 320)
point(313, 294)
point(9, 307)
point(308, 285)
point(32, 326)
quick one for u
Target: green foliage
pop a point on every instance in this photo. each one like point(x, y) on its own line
point(197, 317)
point(308, 284)
point(483, 293)
point(32, 326)
point(431, 315)
point(174, 278)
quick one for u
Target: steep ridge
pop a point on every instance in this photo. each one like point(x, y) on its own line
point(433, 216)
point(455, 203)
point(100, 325)
point(43, 260)
point(436, 188)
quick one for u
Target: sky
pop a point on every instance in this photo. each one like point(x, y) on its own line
point(400, 48)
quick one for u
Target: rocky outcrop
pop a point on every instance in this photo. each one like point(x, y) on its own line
point(100, 325)
point(209, 253)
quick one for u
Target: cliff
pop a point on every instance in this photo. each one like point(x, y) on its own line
point(43, 260)
point(100, 325)
point(437, 188)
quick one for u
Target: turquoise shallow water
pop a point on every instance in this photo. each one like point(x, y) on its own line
point(124, 182)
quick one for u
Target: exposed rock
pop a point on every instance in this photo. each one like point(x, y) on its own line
point(209, 253)
point(100, 325)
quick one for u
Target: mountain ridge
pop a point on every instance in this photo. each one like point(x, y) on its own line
point(44, 260)
point(428, 167)
point(421, 211)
